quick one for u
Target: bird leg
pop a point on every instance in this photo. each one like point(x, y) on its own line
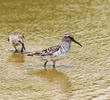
point(54, 64)
point(15, 49)
point(45, 64)
point(23, 47)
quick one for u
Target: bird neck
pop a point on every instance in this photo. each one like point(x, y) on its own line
point(65, 45)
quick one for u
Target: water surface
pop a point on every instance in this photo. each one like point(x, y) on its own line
point(84, 74)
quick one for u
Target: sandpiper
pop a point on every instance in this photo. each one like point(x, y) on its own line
point(55, 51)
point(16, 39)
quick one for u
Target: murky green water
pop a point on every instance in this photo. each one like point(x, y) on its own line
point(84, 74)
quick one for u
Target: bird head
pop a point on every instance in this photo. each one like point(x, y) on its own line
point(69, 37)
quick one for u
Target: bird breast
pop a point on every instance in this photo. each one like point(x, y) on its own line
point(64, 48)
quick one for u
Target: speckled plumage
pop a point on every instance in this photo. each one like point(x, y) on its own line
point(17, 39)
point(61, 49)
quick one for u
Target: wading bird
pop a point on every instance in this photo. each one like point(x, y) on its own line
point(17, 39)
point(51, 53)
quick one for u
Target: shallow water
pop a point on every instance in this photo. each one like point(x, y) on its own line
point(84, 74)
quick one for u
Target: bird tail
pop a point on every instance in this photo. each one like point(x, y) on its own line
point(32, 54)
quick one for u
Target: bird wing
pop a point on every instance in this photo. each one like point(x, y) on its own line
point(50, 51)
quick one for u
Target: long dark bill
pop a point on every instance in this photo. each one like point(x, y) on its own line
point(75, 41)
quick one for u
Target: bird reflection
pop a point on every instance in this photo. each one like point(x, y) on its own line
point(16, 57)
point(56, 77)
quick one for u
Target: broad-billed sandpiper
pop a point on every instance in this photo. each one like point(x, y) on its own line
point(16, 39)
point(55, 51)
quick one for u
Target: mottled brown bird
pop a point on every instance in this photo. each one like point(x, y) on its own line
point(54, 52)
point(17, 39)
